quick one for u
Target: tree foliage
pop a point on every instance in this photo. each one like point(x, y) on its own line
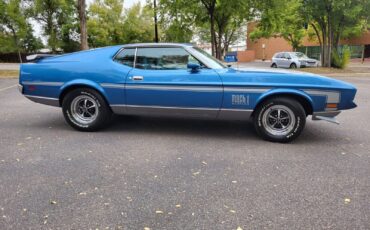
point(16, 34)
point(58, 20)
point(219, 22)
point(281, 18)
point(177, 20)
point(109, 24)
point(332, 20)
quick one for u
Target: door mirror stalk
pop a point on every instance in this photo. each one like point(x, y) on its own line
point(194, 68)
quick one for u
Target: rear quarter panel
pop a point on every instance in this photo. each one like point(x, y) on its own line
point(49, 77)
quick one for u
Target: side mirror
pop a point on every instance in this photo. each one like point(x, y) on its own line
point(194, 67)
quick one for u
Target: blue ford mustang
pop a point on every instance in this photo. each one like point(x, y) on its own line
point(179, 80)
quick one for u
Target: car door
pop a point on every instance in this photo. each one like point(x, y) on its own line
point(286, 60)
point(279, 60)
point(161, 84)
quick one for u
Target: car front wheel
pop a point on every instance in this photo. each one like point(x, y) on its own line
point(86, 110)
point(280, 119)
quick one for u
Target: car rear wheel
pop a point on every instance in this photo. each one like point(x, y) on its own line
point(86, 110)
point(279, 119)
point(273, 65)
point(293, 66)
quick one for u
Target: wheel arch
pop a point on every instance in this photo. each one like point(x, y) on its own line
point(297, 95)
point(68, 87)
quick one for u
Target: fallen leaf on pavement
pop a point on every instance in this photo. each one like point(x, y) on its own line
point(347, 200)
point(196, 173)
point(159, 212)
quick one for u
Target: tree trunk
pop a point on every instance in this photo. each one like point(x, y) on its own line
point(213, 33)
point(82, 16)
point(320, 41)
point(219, 45)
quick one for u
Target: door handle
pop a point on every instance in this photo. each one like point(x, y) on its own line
point(137, 78)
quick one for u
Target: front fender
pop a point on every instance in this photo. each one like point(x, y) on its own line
point(283, 91)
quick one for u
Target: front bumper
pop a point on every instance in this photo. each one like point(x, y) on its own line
point(328, 116)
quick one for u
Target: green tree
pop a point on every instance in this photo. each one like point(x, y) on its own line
point(13, 24)
point(223, 19)
point(177, 20)
point(281, 18)
point(332, 20)
point(109, 24)
point(138, 25)
point(230, 19)
point(55, 16)
point(105, 22)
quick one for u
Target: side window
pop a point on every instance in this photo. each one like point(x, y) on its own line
point(126, 57)
point(278, 55)
point(287, 56)
point(163, 58)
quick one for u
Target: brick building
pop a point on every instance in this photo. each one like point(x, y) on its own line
point(266, 48)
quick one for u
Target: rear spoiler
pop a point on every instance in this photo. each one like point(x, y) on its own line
point(38, 57)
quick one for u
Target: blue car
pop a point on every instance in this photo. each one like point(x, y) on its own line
point(168, 79)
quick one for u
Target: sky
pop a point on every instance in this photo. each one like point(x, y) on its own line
point(37, 27)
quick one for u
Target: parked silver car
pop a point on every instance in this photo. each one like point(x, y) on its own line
point(292, 60)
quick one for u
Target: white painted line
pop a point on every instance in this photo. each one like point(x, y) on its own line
point(3, 89)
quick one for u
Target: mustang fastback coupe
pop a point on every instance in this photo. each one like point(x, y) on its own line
point(168, 79)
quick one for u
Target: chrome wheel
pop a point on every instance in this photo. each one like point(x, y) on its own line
point(278, 120)
point(84, 109)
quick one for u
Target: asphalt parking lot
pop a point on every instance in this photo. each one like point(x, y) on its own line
point(151, 173)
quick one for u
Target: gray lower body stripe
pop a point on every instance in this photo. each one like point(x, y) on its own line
point(44, 100)
point(43, 83)
point(200, 112)
point(168, 107)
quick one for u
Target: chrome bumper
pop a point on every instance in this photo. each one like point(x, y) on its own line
point(20, 88)
point(328, 116)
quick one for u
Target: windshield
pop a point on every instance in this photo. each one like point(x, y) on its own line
point(207, 59)
point(301, 55)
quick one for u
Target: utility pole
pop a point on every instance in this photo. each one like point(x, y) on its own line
point(155, 22)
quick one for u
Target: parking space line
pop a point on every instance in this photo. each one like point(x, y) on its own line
point(3, 89)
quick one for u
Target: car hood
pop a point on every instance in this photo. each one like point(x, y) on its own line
point(307, 59)
point(280, 78)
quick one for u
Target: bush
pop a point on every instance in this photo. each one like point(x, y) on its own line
point(340, 60)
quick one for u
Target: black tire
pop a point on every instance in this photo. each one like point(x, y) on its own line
point(76, 100)
point(293, 66)
point(273, 65)
point(264, 119)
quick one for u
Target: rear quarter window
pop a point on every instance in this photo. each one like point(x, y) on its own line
point(126, 57)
